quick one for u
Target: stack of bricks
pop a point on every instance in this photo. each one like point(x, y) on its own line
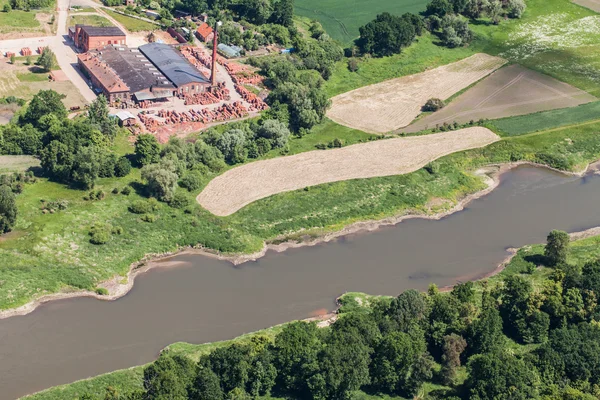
point(256, 103)
point(213, 96)
point(26, 51)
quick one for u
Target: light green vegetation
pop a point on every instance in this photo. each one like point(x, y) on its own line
point(519, 125)
point(130, 23)
point(17, 163)
point(93, 20)
point(342, 18)
point(17, 19)
point(33, 77)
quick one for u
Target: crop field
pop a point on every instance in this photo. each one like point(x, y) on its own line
point(342, 18)
point(514, 126)
point(510, 91)
point(394, 104)
point(243, 185)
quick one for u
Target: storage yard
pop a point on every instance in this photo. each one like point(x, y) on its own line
point(240, 186)
point(510, 91)
point(394, 104)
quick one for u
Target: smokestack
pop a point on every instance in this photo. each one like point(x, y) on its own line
point(213, 74)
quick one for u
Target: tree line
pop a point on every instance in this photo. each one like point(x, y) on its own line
point(395, 346)
point(447, 19)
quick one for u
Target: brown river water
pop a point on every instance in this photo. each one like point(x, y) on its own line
point(207, 300)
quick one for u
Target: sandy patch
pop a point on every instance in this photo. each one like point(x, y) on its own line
point(395, 103)
point(240, 186)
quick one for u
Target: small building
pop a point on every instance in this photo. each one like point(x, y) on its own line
point(176, 68)
point(124, 75)
point(229, 51)
point(205, 33)
point(125, 118)
point(152, 14)
point(129, 2)
point(87, 37)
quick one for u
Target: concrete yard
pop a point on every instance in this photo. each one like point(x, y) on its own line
point(394, 104)
point(510, 91)
point(240, 186)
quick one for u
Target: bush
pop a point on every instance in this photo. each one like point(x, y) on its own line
point(117, 230)
point(100, 233)
point(149, 218)
point(352, 65)
point(101, 291)
point(100, 195)
point(115, 191)
point(515, 8)
point(126, 191)
point(433, 104)
point(179, 200)
point(191, 181)
point(6, 8)
point(142, 207)
point(122, 167)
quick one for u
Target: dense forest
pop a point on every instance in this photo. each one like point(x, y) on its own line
point(510, 341)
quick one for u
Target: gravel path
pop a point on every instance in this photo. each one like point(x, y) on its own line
point(243, 185)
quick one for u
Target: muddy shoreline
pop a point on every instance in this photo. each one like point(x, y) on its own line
point(119, 286)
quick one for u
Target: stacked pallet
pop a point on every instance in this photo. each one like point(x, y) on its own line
point(213, 96)
point(26, 51)
point(256, 103)
point(243, 74)
point(40, 49)
point(9, 54)
point(150, 123)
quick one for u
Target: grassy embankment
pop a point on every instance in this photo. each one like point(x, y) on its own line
point(555, 37)
point(130, 23)
point(93, 20)
point(126, 380)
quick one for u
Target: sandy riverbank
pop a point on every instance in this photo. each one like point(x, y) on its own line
point(119, 286)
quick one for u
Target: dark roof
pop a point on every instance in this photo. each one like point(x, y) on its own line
point(132, 67)
point(172, 64)
point(102, 30)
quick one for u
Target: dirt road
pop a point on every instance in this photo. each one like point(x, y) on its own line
point(240, 186)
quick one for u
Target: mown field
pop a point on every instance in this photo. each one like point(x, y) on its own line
point(342, 18)
point(514, 126)
point(128, 380)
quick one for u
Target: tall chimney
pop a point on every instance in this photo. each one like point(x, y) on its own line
point(213, 74)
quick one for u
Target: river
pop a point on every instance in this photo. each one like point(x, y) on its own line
point(207, 300)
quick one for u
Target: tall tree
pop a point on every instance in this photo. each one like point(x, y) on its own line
point(46, 60)
point(147, 149)
point(206, 386)
point(43, 103)
point(283, 13)
point(453, 347)
point(8, 209)
point(169, 378)
point(557, 247)
point(98, 114)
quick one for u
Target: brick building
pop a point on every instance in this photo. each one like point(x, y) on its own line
point(176, 68)
point(93, 37)
point(124, 75)
point(205, 32)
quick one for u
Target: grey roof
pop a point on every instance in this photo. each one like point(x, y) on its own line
point(124, 115)
point(102, 30)
point(172, 64)
point(133, 68)
point(229, 51)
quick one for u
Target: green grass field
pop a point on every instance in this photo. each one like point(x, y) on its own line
point(93, 20)
point(130, 23)
point(519, 125)
point(342, 18)
point(17, 163)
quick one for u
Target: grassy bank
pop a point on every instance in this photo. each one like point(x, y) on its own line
point(514, 126)
point(128, 380)
point(93, 20)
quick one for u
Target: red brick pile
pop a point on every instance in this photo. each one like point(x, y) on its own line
point(256, 103)
point(213, 96)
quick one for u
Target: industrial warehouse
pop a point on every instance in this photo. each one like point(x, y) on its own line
point(154, 72)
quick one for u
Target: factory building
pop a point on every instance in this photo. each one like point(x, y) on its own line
point(124, 75)
point(87, 37)
point(173, 65)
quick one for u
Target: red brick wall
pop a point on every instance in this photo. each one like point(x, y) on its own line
point(97, 42)
point(193, 88)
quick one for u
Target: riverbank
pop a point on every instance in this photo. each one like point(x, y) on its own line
point(119, 286)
